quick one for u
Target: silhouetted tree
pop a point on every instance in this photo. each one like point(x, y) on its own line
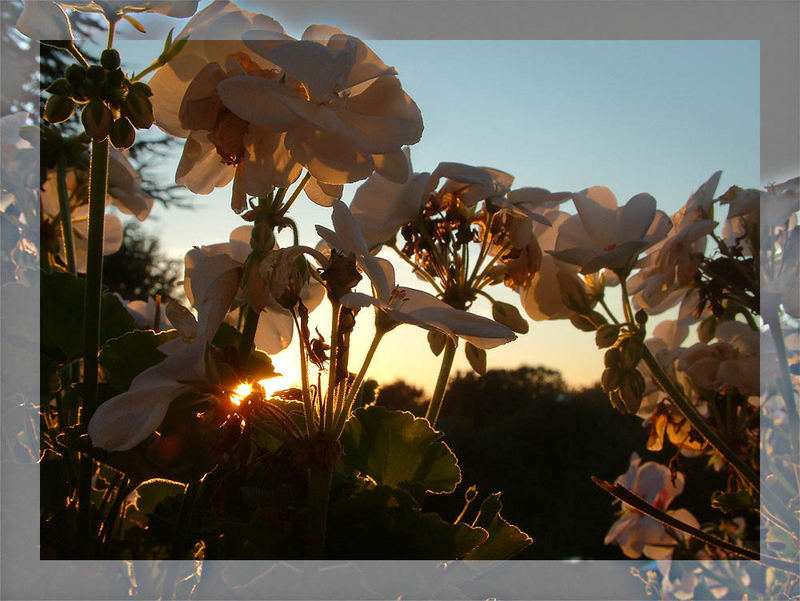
point(401, 396)
point(138, 270)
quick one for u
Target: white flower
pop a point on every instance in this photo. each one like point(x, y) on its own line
point(637, 533)
point(399, 303)
point(731, 361)
point(671, 264)
point(543, 297)
point(604, 235)
point(346, 116)
point(127, 419)
point(220, 146)
point(275, 326)
point(44, 20)
point(381, 207)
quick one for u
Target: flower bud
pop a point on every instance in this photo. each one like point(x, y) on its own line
point(60, 87)
point(631, 353)
point(75, 74)
point(509, 316)
point(706, 329)
point(139, 110)
point(115, 78)
point(641, 317)
point(610, 379)
point(584, 324)
point(109, 59)
point(122, 133)
point(606, 335)
point(612, 357)
point(96, 73)
point(631, 389)
point(436, 340)
point(476, 357)
point(141, 88)
point(97, 119)
point(58, 108)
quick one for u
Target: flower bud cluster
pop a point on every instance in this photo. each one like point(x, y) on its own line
point(112, 105)
point(623, 383)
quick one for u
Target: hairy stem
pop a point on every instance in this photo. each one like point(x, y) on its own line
point(353, 392)
point(98, 180)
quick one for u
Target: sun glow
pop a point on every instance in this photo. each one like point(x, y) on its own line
point(282, 381)
point(240, 393)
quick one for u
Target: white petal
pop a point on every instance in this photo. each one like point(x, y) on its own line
point(44, 20)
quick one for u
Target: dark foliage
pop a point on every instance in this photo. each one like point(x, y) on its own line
point(518, 432)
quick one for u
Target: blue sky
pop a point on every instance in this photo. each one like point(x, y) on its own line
point(636, 116)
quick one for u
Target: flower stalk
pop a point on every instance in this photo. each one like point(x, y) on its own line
point(98, 183)
point(347, 406)
point(432, 415)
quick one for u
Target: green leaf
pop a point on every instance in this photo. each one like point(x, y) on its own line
point(129, 355)
point(384, 523)
point(259, 366)
point(61, 330)
point(394, 448)
point(476, 357)
point(145, 499)
point(505, 540)
point(509, 316)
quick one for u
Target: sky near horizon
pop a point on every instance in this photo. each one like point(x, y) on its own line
point(636, 116)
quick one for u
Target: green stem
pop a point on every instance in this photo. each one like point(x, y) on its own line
point(611, 316)
point(112, 27)
point(76, 54)
point(66, 216)
point(308, 406)
point(153, 66)
point(353, 392)
point(319, 492)
point(295, 194)
point(686, 408)
point(626, 302)
point(98, 180)
point(435, 406)
point(248, 334)
point(327, 418)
